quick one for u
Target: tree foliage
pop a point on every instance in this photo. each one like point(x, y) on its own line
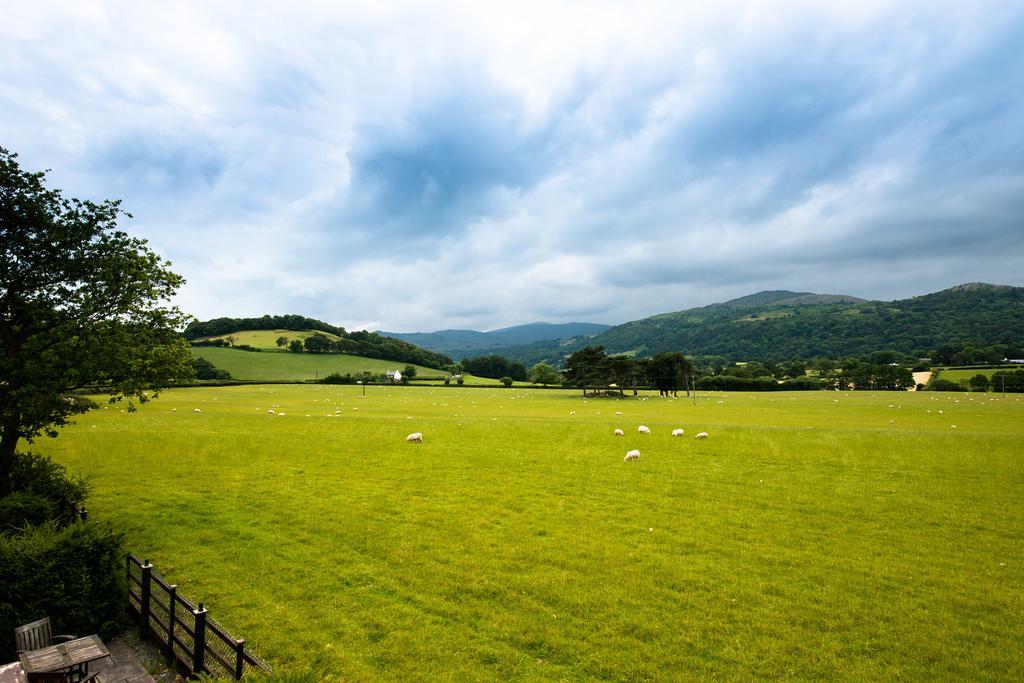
point(494, 367)
point(82, 305)
point(360, 343)
point(542, 373)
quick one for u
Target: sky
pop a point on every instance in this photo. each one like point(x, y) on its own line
point(421, 166)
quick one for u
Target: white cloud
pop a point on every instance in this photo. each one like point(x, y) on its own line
point(420, 167)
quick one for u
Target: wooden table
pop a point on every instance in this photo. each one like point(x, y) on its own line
point(64, 655)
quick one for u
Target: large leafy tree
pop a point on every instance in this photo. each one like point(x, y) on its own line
point(82, 305)
point(669, 372)
point(587, 367)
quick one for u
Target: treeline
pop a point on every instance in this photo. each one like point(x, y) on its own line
point(975, 354)
point(221, 326)
point(371, 345)
point(361, 343)
point(493, 367)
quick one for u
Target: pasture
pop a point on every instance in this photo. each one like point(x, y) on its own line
point(267, 339)
point(279, 366)
point(964, 375)
point(813, 535)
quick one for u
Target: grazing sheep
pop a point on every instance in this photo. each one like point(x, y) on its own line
point(415, 437)
point(619, 432)
point(196, 410)
point(643, 430)
point(702, 435)
point(271, 412)
point(632, 455)
point(677, 432)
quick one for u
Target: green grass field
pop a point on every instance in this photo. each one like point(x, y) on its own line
point(964, 375)
point(284, 366)
point(267, 339)
point(813, 535)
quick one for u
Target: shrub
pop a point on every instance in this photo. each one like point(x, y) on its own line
point(22, 508)
point(459, 380)
point(944, 385)
point(74, 575)
point(42, 477)
point(507, 381)
point(338, 378)
point(207, 370)
point(979, 382)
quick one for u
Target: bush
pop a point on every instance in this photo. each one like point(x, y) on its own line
point(74, 575)
point(38, 475)
point(23, 508)
point(944, 385)
point(507, 381)
point(207, 370)
point(338, 378)
point(979, 382)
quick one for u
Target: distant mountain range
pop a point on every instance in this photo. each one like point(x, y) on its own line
point(772, 325)
point(466, 343)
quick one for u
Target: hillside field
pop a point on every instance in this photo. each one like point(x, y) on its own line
point(284, 366)
point(267, 339)
point(814, 535)
point(964, 375)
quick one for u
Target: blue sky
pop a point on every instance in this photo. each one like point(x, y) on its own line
point(412, 168)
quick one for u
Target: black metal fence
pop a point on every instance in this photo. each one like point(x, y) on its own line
point(187, 635)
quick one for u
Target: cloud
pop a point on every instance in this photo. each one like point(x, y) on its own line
point(464, 166)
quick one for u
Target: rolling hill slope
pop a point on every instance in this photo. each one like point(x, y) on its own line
point(463, 343)
point(801, 325)
point(283, 366)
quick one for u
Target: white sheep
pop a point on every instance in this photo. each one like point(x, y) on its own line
point(196, 410)
point(632, 455)
point(643, 430)
point(619, 432)
point(415, 437)
point(677, 432)
point(271, 412)
point(702, 435)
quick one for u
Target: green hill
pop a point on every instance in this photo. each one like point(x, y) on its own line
point(284, 366)
point(774, 326)
point(361, 343)
point(467, 343)
point(266, 339)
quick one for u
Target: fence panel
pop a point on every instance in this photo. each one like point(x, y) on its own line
point(188, 637)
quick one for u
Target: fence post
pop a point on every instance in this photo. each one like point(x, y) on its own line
point(199, 640)
point(239, 658)
point(172, 598)
point(145, 592)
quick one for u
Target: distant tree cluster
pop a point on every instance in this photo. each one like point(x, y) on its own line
point(494, 367)
point(219, 327)
point(974, 354)
point(204, 369)
point(361, 343)
point(591, 367)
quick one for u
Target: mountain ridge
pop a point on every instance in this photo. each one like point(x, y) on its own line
point(784, 325)
point(453, 340)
